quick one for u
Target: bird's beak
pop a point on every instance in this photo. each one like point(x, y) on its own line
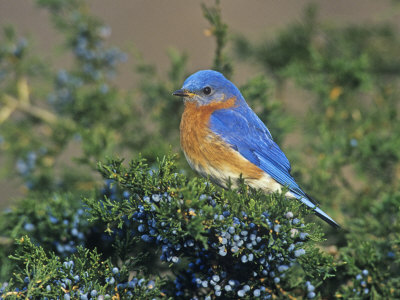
point(183, 93)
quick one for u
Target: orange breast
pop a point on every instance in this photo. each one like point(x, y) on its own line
point(206, 152)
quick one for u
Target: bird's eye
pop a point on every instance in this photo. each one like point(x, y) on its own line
point(207, 90)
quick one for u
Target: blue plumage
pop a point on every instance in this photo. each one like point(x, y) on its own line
point(241, 129)
point(252, 141)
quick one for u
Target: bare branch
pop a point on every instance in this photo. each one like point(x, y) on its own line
point(26, 107)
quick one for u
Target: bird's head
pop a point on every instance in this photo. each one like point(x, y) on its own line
point(207, 86)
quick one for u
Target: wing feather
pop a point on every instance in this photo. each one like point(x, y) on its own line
point(247, 134)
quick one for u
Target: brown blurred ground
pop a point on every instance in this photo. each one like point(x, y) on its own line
point(153, 26)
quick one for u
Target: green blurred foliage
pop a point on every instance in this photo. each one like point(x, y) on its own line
point(348, 155)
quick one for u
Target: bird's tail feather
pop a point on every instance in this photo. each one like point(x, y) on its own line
point(319, 212)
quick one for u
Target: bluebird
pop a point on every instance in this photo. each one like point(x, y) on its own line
point(223, 140)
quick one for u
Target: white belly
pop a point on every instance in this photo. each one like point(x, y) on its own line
point(222, 177)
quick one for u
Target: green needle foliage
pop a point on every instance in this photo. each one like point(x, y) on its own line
point(95, 227)
point(208, 241)
point(83, 275)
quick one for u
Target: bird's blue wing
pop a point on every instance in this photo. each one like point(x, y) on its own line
point(246, 133)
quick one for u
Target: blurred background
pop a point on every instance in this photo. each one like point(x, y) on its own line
point(83, 81)
point(150, 30)
point(153, 26)
point(156, 45)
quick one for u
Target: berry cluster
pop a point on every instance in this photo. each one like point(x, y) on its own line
point(25, 165)
point(66, 86)
point(75, 284)
point(57, 223)
point(310, 290)
point(248, 262)
point(96, 64)
point(241, 257)
point(90, 50)
point(214, 247)
point(361, 283)
point(73, 229)
point(12, 48)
